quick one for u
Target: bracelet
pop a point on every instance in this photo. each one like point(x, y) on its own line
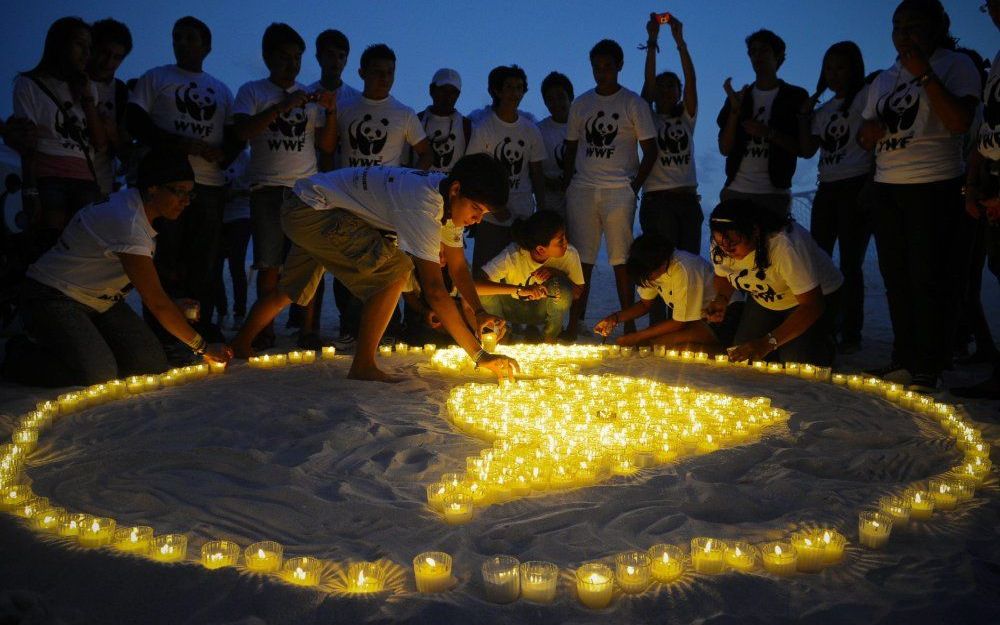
point(198, 345)
point(479, 356)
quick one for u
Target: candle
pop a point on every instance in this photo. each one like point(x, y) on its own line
point(660, 351)
point(47, 520)
point(279, 360)
point(264, 556)
point(70, 523)
point(295, 357)
point(216, 367)
point(216, 554)
point(385, 350)
point(302, 571)
point(892, 391)
point(898, 508)
point(807, 371)
point(96, 532)
point(874, 529)
point(432, 571)
point(822, 374)
point(809, 551)
point(921, 504)
point(627, 351)
point(402, 347)
point(964, 489)
point(854, 383)
point(435, 495)
point(644, 351)
point(364, 578)
point(308, 356)
point(15, 495)
point(430, 348)
point(740, 556)
point(774, 367)
point(614, 351)
point(502, 579)
point(778, 558)
point(721, 360)
point(840, 379)
point(136, 539)
point(169, 548)
point(538, 581)
point(329, 351)
point(457, 508)
point(31, 507)
point(632, 570)
point(489, 341)
point(666, 562)
point(792, 369)
point(594, 585)
point(833, 546)
point(707, 555)
point(943, 494)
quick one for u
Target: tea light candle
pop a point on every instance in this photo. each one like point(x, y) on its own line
point(792, 369)
point(15, 495)
point(432, 571)
point(839, 379)
point(403, 348)
point(364, 578)
point(594, 585)
point(809, 551)
point(502, 579)
point(295, 357)
point(430, 348)
point(329, 352)
point(892, 391)
point(644, 351)
point(874, 529)
point(822, 374)
point(707, 555)
point(32, 507)
point(627, 351)
point(964, 489)
point(833, 546)
point(435, 495)
point(264, 556)
point(308, 357)
point(921, 504)
point(169, 548)
point(457, 508)
point(666, 563)
point(943, 495)
point(136, 539)
point(279, 360)
point(538, 581)
point(854, 382)
point(302, 571)
point(385, 350)
point(47, 520)
point(660, 351)
point(632, 570)
point(807, 371)
point(898, 508)
point(216, 554)
point(774, 367)
point(721, 360)
point(740, 556)
point(778, 558)
point(69, 524)
point(614, 351)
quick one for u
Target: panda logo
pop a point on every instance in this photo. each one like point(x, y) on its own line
point(601, 129)
point(511, 154)
point(759, 116)
point(836, 134)
point(368, 135)
point(72, 129)
point(443, 148)
point(898, 109)
point(198, 103)
point(559, 154)
point(290, 123)
point(673, 138)
point(756, 285)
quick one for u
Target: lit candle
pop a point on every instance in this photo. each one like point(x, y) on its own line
point(792, 369)
point(31, 507)
point(809, 551)
point(778, 558)
point(964, 489)
point(217, 367)
point(279, 360)
point(594, 585)
point(833, 545)
point(136, 539)
point(15, 495)
point(854, 383)
point(627, 351)
point(457, 508)
point(364, 578)
point(216, 554)
point(666, 563)
point(96, 532)
point(874, 529)
point(502, 579)
point(707, 555)
point(295, 357)
point(264, 556)
point(898, 508)
point(943, 494)
point(489, 341)
point(822, 374)
point(47, 520)
point(308, 356)
point(644, 351)
point(169, 548)
point(70, 523)
point(432, 571)
point(329, 352)
point(892, 391)
point(385, 350)
point(632, 570)
point(721, 360)
point(402, 347)
point(741, 556)
point(807, 372)
point(774, 367)
point(435, 495)
point(921, 504)
point(430, 348)
point(538, 581)
point(302, 571)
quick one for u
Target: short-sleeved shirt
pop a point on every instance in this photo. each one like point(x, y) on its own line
point(344, 92)
point(989, 130)
point(62, 132)
point(446, 135)
point(110, 100)
point(554, 137)
point(375, 132)
point(514, 265)
point(686, 286)
point(238, 205)
point(608, 129)
point(405, 201)
point(753, 175)
point(798, 265)
point(194, 105)
point(917, 148)
point(840, 156)
point(674, 167)
point(84, 263)
point(515, 145)
point(286, 150)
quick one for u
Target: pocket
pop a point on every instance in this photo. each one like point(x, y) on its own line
point(357, 240)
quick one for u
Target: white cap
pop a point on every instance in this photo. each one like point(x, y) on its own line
point(446, 76)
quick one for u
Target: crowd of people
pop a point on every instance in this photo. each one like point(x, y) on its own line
point(158, 183)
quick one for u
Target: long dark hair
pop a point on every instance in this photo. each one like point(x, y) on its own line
point(852, 53)
point(57, 41)
point(745, 217)
point(538, 229)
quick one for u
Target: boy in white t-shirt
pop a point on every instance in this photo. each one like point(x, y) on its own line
point(557, 93)
point(604, 174)
point(447, 130)
point(332, 52)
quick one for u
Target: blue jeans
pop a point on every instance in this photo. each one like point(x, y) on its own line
point(547, 312)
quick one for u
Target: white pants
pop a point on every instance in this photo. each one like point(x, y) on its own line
point(591, 212)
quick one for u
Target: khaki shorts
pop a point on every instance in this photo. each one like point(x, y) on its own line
point(338, 241)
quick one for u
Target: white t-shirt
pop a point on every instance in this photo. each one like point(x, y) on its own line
point(840, 156)
point(917, 148)
point(753, 176)
point(189, 104)
point(674, 166)
point(514, 265)
point(405, 201)
point(286, 150)
point(107, 106)
point(608, 129)
point(447, 139)
point(238, 206)
point(798, 265)
point(554, 137)
point(344, 92)
point(989, 130)
point(374, 132)
point(686, 286)
point(58, 134)
point(84, 263)
point(515, 145)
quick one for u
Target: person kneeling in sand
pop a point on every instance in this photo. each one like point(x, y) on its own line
point(685, 283)
point(371, 226)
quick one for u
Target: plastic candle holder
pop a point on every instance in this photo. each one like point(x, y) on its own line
point(385, 350)
point(216, 554)
point(595, 585)
point(943, 494)
point(435, 495)
point(874, 529)
point(136, 539)
point(821, 374)
point(721, 360)
point(329, 352)
point(432, 571)
point(632, 570)
point(295, 357)
point(964, 489)
point(70, 523)
point(778, 558)
point(538, 581)
point(707, 555)
point(666, 563)
point(489, 341)
point(457, 508)
point(502, 579)
point(263, 557)
point(807, 371)
point(217, 367)
point(833, 545)
point(403, 348)
point(308, 356)
point(303, 571)
point(169, 548)
point(644, 351)
point(15, 495)
point(921, 504)
point(810, 552)
point(364, 578)
point(898, 508)
point(47, 520)
point(627, 351)
point(740, 556)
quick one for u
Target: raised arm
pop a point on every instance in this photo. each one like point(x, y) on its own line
point(652, 34)
point(687, 66)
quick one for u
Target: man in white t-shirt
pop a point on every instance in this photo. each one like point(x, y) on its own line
point(557, 93)
point(112, 43)
point(605, 174)
point(332, 51)
point(447, 130)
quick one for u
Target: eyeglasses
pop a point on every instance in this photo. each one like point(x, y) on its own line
point(728, 240)
point(182, 194)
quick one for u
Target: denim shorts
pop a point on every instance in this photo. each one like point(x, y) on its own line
point(270, 245)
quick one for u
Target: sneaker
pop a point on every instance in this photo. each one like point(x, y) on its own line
point(924, 383)
point(346, 343)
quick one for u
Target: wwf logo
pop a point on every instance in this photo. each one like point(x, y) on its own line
point(368, 135)
point(443, 148)
point(601, 129)
point(198, 103)
point(836, 133)
point(290, 123)
point(673, 138)
point(760, 115)
point(898, 108)
point(510, 152)
point(71, 129)
point(756, 285)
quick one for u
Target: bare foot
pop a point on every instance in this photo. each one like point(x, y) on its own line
point(373, 374)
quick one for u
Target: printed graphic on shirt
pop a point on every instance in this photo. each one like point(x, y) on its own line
point(674, 143)
point(292, 126)
point(197, 103)
point(756, 285)
point(368, 136)
point(835, 137)
point(510, 152)
point(442, 148)
point(599, 133)
point(898, 111)
point(989, 134)
point(72, 130)
point(559, 154)
point(758, 147)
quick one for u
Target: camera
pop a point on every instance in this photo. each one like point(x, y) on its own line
point(663, 18)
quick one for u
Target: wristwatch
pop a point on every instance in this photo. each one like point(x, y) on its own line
point(772, 342)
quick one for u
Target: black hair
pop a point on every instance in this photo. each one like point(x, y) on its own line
point(771, 40)
point(538, 229)
point(189, 21)
point(332, 38)
point(277, 35)
point(555, 79)
point(745, 217)
point(850, 51)
point(482, 179)
point(160, 167)
point(377, 52)
point(934, 11)
point(608, 47)
point(648, 253)
point(499, 75)
point(57, 41)
point(111, 31)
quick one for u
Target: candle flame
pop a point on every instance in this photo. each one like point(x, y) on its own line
point(261, 554)
point(134, 536)
point(875, 524)
point(777, 550)
point(708, 546)
point(299, 573)
point(431, 563)
point(630, 570)
point(826, 537)
point(666, 558)
point(916, 498)
point(165, 549)
point(943, 488)
point(597, 579)
point(737, 552)
point(361, 578)
point(215, 556)
point(95, 527)
point(808, 542)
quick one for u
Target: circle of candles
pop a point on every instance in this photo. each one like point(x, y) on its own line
point(632, 570)
point(432, 571)
point(457, 508)
point(69, 524)
point(778, 558)
point(809, 551)
point(874, 529)
point(740, 556)
point(833, 545)
point(943, 494)
point(216, 554)
point(136, 539)
point(302, 571)
point(921, 504)
point(263, 557)
point(666, 562)
point(538, 581)
point(329, 352)
point(595, 585)
point(169, 548)
point(364, 578)
point(896, 507)
point(502, 579)
point(707, 555)
point(47, 520)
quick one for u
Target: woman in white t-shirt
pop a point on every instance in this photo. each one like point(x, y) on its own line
point(838, 211)
point(791, 284)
